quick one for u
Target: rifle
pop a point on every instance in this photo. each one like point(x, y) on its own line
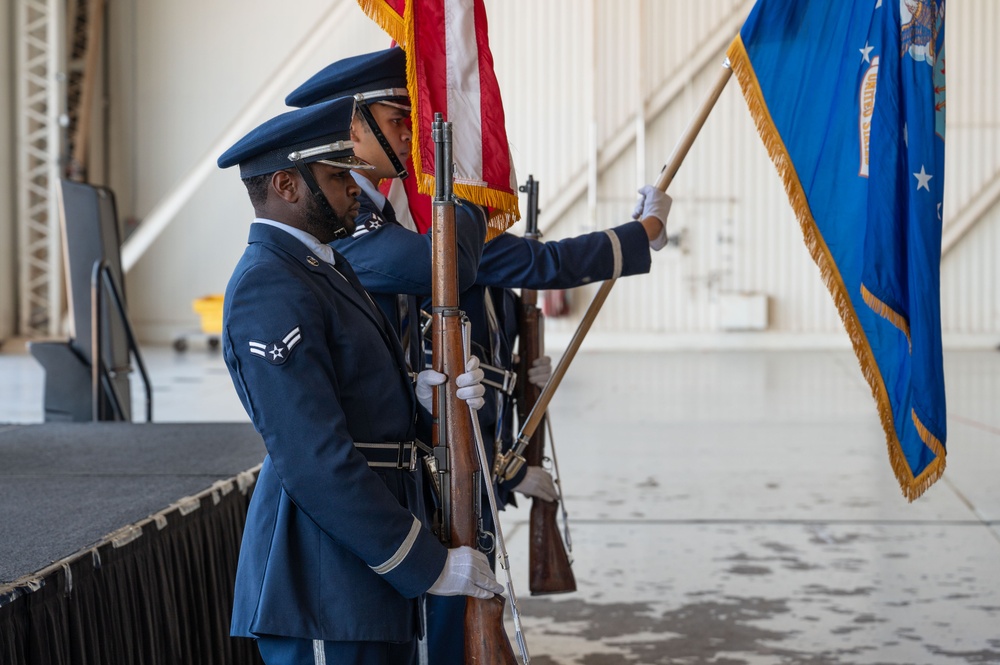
point(548, 562)
point(459, 474)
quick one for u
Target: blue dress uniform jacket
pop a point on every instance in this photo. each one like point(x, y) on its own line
point(515, 262)
point(389, 259)
point(317, 370)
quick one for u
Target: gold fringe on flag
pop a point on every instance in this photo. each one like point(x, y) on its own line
point(886, 312)
point(911, 487)
point(386, 18)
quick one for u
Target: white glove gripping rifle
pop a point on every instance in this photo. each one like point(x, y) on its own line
point(458, 475)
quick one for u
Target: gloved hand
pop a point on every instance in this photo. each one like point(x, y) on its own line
point(540, 371)
point(470, 384)
point(470, 387)
point(654, 203)
point(466, 573)
point(537, 482)
point(424, 389)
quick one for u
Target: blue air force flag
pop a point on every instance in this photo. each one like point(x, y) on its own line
point(849, 99)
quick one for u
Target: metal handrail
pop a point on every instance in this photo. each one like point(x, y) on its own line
point(99, 372)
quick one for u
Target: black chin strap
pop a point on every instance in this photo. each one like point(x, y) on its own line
point(340, 231)
point(366, 113)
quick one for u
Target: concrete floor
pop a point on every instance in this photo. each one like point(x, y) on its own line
point(727, 508)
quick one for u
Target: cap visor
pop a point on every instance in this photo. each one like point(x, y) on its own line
point(348, 162)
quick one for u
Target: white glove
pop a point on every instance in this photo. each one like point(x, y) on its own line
point(654, 203)
point(540, 371)
point(537, 482)
point(426, 381)
point(466, 573)
point(470, 385)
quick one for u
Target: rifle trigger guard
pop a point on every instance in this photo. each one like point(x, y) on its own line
point(486, 542)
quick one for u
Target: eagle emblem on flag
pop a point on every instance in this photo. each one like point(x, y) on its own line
point(922, 22)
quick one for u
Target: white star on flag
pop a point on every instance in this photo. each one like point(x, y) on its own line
point(923, 179)
point(866, 51)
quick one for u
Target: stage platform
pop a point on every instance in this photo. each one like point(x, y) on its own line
point(118, 541)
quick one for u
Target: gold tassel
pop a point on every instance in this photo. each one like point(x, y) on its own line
point(743, 69)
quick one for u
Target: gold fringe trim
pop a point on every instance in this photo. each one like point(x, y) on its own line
point(743, 69)
point(936, 468)
point(502, 205)
point(929, 439)
point(886, 312)
point(386, 18)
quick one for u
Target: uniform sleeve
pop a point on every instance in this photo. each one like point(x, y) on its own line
point(514, 262)
point(295, 402)
point(391, 259)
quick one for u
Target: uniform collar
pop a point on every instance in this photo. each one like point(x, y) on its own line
point(366, 185)
point(322, 250)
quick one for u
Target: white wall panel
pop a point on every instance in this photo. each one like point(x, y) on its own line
point(741, 234)
point(188, 69)
point(567, 69)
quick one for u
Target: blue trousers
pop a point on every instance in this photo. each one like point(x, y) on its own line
point(446, 630)
point(277, 650)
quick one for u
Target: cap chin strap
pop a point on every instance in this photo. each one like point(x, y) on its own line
point(340, 231)
point(366, 113)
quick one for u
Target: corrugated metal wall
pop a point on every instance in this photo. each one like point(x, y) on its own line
point(576, 75)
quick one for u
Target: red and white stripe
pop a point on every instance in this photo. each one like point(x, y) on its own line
point(450, 71)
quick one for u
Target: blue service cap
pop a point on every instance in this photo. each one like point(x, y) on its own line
point(378, 77)
point(304, 135)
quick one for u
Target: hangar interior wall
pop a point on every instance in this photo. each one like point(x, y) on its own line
point(596, 93)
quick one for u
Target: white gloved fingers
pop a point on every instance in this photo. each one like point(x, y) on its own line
point(537, 482)
point(656, 204)
point(482, 576)
point(466, 572)
point(424, 389)
point(540, 371)
point(653, 203)
point(472, 373)
point(639, 205)
point(473, 395)
point(470, 384)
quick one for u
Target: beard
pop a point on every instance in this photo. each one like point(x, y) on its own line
point(323, 221)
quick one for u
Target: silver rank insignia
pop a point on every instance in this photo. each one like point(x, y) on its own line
point(373, 223)
point(277, 353)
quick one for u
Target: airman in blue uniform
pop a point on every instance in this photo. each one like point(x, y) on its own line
point(390, 260)
point(336, 552)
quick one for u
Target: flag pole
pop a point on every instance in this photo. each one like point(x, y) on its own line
point(662, 182)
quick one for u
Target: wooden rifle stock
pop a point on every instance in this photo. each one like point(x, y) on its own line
point(549, 567)
point(486, 639)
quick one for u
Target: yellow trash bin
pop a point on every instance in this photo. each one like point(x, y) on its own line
point(210, 310)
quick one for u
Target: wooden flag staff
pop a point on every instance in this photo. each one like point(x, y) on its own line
point(508, 465)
